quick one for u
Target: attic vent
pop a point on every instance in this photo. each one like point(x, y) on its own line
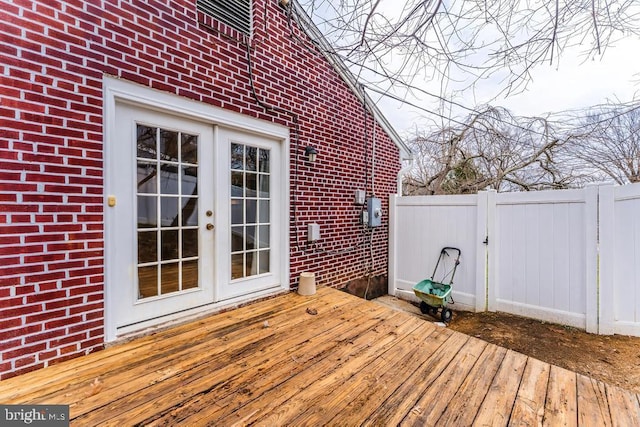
point(235, 13)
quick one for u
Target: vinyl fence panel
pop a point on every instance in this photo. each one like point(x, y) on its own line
point(620, 259)
point(539, 255)
point(421, 227)
point(567, 256)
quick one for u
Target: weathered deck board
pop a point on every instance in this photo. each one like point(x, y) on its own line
point(593, 408)
point(439, 394)
point(296, 365)
point(370, 389)
point(528, 408)
point(561, 407)
point(406, 395)
point(142, 349)
point(366, 388)
point(243, 384)
point(290, 397)
point(464, 405)
point(194, 374)
point(211, 387)
point(624, 407)
point(178, 353)
point(354, 363)
point(497, 404)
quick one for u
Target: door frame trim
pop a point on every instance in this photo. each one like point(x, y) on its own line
point(121, 91)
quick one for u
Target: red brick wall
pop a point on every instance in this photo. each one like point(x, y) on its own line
point(53, 55)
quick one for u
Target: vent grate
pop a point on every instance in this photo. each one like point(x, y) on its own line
point(235, 13)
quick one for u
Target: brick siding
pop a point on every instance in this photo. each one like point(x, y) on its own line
point(53, 55)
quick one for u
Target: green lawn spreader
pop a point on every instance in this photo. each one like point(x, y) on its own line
point(434, 295)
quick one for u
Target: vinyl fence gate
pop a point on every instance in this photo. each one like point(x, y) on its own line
point(565, 256)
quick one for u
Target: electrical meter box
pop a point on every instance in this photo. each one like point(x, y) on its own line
point(374, 211)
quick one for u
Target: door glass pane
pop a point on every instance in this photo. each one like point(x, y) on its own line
point(264, 211)
point(237, 184)
point(170, 278)
point(263, 160)
point(167, 211)
point(168, 179)
point(147, 247)
point(189, 149)
point(147, 177)
point(168, 145)
point(147, 281)
point(190, 243)
point(263, 236)
point(147, 211)
point(190, 274)
point(169, 244)
point(250, 237)
point(189, 211)
point(251, 158)
point(237, 266)
point(237, 239)
point(189, 180)
point(252, 211)
point(237, 211)
point(237, 156)
point(263, 265)
point(147, 141)
point(264, 186)
point(251, 259)
point(249, 204)
point(251, 184)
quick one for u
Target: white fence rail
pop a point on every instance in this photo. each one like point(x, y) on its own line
point(534, 254)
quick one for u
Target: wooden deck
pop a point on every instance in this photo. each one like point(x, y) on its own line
point(353, 363)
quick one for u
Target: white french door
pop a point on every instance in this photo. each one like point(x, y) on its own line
point(162, 215)
point(196, 208)
point(250, 250)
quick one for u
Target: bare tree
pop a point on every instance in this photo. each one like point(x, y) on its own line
point(423, 39)
point(492, 149)
point(398, 46)
point(607, 140)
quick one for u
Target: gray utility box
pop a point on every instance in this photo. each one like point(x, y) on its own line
point(374, 210)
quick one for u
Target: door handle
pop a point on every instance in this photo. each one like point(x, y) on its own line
point(209, 226)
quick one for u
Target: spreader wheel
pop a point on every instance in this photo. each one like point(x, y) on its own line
point(446, 315)
point(424, 307)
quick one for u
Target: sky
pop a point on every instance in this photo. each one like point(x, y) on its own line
point(577, 83)
point(574, 83)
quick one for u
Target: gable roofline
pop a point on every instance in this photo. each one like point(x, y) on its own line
point(325, 48)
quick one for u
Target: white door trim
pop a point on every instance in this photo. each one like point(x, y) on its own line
point(122, 91)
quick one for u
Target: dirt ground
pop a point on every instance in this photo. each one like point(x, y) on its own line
point(612, 359)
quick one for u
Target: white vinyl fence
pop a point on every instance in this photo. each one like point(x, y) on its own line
point(620, 260)
point(420, 227)
point(569, 256)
